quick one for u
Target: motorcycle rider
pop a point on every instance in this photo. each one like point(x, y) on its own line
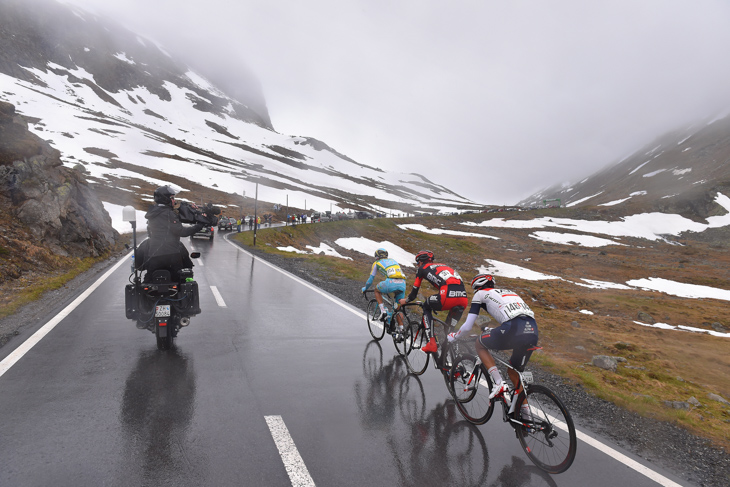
point(163, 249)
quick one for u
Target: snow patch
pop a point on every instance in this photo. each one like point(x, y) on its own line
point(582, 200)
point(654, 173)
point(440, 231)
point(368, 247)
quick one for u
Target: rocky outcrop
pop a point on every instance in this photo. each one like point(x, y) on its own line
point(55, 203)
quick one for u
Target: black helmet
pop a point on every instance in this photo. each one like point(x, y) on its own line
point(163, 195)
point(424, 256)
point(482, 281)
point(381, 254)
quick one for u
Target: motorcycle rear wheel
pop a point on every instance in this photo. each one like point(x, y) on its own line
point(164, 342)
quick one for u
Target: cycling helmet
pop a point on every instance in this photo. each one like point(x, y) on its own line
point(424, 256)
point(381, 254)
point(164, 194)
point(482, 281)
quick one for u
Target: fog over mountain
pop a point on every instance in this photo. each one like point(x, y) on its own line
point(550, 92)
point(131, 116)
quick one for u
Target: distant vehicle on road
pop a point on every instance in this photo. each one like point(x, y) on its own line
point(363, 215)
point(320, 217)
point(226, 223)
point(205, 232)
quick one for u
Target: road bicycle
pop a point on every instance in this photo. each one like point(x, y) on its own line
point(448, 352)
point(545, 428)
point(378, 328)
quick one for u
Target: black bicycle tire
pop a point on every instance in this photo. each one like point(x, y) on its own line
point(478, 399)
point(525, 435)
point(373, 310)
point(403, 347)
point(419, 332)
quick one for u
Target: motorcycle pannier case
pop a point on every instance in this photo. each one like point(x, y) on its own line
point(131, 301)
point(191, 304)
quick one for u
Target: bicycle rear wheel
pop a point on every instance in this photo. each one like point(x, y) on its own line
point(548, 434)
point(375, 326)
point(417, 359)
point(470, 386)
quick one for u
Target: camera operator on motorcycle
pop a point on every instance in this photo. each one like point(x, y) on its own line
point(163, 249)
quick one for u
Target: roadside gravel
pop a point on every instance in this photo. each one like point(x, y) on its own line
point(691, 458)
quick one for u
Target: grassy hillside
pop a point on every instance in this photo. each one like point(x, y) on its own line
point(660, 365)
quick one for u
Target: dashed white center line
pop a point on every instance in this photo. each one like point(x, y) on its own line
point(218, 297)
point(298, 473)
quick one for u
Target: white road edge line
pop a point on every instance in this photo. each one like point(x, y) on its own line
point(218, 297)
point(633, 464)
point(327, 295)
point(642, 469)
point(25, 347)
point(295, 467)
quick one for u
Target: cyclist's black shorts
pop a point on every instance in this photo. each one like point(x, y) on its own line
point(518, 334)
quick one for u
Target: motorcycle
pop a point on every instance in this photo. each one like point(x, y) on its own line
point(159, 302)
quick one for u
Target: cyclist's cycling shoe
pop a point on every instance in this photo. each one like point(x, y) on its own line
point(383, 316)
point(498, 390)
point(431, 346)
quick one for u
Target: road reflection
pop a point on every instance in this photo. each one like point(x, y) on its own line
point(522, 474)
point(157, 407)
point(435, 447)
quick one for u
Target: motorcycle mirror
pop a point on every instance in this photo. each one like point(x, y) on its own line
point(194, 255)
point(129, 214)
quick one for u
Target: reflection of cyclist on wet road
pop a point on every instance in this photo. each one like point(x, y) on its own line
point(377, 399)
point(444, 451)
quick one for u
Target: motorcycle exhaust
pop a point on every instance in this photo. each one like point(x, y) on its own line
point(184, 321)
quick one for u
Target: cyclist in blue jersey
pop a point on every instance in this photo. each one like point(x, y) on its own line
point(395, 282)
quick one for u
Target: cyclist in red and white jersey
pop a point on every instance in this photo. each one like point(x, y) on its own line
point(451, 296)
point(517, 330)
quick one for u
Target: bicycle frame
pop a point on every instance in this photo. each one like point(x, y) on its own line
point(525, 380)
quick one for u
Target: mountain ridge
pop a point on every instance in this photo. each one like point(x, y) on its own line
point(678, 172)
point(104, 96)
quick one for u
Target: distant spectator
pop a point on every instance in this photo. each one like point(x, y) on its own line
point(238, 225)
point(250, 223)
point(258, 222)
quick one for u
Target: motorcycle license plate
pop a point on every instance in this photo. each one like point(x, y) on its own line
point(528, 377)
point(163, 310)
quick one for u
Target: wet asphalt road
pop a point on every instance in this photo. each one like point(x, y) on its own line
point(95, 403)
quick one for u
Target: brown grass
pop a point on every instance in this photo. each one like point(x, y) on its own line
point(661, 365)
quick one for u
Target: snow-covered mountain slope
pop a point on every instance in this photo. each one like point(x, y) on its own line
point(680, 172)
point(134, 118)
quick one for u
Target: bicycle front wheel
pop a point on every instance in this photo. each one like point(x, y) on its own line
point(376, 327)
point(417, 359)
point(547, 434)
point(402, 341)
point(470, 386)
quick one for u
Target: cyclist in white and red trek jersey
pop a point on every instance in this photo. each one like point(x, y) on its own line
point(517, 330)
point(451, 296)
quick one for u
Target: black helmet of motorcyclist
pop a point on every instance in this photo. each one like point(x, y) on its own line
point(165, 195)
